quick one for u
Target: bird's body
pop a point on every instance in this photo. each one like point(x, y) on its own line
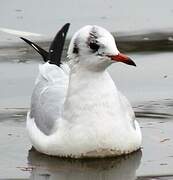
point(76, 109)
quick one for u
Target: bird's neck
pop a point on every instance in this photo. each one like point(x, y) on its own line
point(89, 64)
point(89, 94)
point(84, 80)
point(86, 77)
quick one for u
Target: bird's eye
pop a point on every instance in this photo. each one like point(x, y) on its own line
point(94, 46)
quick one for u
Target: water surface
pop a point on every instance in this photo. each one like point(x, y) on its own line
point(148, 86)
point(155, 159)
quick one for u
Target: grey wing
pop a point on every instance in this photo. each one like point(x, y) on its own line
point(48, 99)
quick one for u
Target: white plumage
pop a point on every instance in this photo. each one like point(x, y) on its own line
point(76, 109)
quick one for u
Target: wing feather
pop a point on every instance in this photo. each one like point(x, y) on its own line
point(48, 97)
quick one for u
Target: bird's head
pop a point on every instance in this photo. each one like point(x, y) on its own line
point(94, 46)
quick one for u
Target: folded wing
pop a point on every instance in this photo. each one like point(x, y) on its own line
point(51, 85)
point(48, 97)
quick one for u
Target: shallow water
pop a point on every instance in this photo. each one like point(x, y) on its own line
point(149, 88)
point(155, 158)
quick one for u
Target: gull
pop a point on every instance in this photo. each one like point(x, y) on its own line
point(76, 109)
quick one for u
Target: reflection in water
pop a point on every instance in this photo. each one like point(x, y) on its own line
point(152, 115)
point(53, 168)
point(155, 110)
point(13, 114)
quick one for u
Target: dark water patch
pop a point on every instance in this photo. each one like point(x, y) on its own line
point(16, 115)
point(14, 179)
point(153, 115)
point(170, 177)
point(162, 109)
point(138, 43)
point(24, 53)
point(148, 42)
point(21, 52)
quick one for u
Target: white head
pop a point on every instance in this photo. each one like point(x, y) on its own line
point(94, 47)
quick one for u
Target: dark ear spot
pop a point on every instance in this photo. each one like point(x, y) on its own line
point(75, 49)
point(94, 46)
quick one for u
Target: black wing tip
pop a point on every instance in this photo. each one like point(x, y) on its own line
point(41, 51)
point(66, 25)
point(26, 40)
point(56, 47)
point(65, 28)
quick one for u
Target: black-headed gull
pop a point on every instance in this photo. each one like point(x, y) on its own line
point(76, 109)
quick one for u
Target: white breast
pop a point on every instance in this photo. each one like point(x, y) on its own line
point(96, 120)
